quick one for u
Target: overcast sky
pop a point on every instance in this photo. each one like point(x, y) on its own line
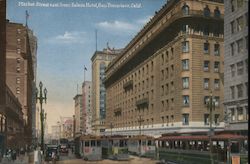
point(66, 39)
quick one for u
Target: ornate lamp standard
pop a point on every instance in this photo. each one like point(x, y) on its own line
point(211, 106)
point(42, 96)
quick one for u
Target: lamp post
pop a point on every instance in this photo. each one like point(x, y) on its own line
point(211, 106)
point(42, 96)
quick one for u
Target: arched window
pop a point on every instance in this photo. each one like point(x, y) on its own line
point(185, 9)
point(217, 12)
point(206, 11)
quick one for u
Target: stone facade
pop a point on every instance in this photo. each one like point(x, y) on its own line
point(78, 113)
point(86, 107)
point(162, 80)
point(236, 65)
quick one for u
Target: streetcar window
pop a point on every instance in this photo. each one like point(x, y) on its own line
point(92, 143)
point(86, 143)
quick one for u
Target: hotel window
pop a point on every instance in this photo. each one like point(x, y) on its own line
point(18, 60)
point(240, 113)
point(206, 119)
point(166, 56)
point(162, 104)
point(217, 12)
point(185, 28)
point(162, 74)
point(185, 82)
point(233, 27)
point(18, 50)
point(185, 100)
point(185, 64)
point(185, 46)
point(172, 119)
point(217, 49)
point(232, 48)
point(240, 68)
point(206, 83)
point(216, 84)
point(216, 100)
point(185, 119)
point(240, 23)
point(240, 90)
point(206, 11)
point(206, 100)
point(18, 69)
point(216, 119)
point(167, 120)
point(185, 9)
point(216, 66)
point(172, 70)
point(172, 53)
point(206, 48)
point(240, 45)
point(206, 30)
point(240, 3)
point(18, 80)
point(19, 31)
point(162, 59)
point(17, 90)
point(152, 66)
point(18, 40)
point(232, 70)
point(233, 5)
point(206, 66)
point(172, 86)
point(232, 114)
point(232, 92)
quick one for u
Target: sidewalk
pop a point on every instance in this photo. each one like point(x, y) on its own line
point(21, 159)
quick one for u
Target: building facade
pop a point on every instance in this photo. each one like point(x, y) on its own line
point(19, 71)
point(236, 66)
point(2, 73)
point(100, 61)
point(66, 124)
point(163, 79)
point(86, 107)
point(78, 114)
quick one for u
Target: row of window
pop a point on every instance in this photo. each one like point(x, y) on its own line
point(239, 24)
point(237, 4)
point(206, 11)
point(239, 67)
point(240, 46)
point(238, 114)
point(206, 48)
point(206, 81)
point(239, 89)
point(206, 66)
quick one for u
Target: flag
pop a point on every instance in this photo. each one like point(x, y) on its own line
point(85, 68)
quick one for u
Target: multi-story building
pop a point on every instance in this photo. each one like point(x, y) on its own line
point(78, 113)
point(163, 79)
point(66, 124)
point(236, 66)
point(19, 71)
point(100, 61)
point(86, 106)
point(56, 131)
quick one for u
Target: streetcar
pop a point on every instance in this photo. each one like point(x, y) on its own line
point(115, 147)
point(195, 149)
point(142, 145)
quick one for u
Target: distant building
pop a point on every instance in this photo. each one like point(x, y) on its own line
point(78, 114)
point(236, 66)
point(162, 80)
point(56, 131)
point(66, 124)
point(86, 107)
point(100, 61)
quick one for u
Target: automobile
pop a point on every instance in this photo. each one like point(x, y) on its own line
point(64, 149)
point(49, 150)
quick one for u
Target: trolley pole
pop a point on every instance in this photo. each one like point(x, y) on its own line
point(211, 107)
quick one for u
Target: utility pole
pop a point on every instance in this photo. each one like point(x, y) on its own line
point(42, 96)
point(140, 120)
point(211, 106)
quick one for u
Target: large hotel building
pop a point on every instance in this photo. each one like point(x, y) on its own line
point(161, 81)
point(236, 66)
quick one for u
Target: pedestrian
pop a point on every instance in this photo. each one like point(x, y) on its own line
point(53, 157)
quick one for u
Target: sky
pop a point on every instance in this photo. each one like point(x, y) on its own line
point(66, 40)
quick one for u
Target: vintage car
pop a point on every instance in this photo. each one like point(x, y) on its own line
point(49, 151)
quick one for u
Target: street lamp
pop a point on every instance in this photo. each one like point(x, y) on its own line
point(211, 106)
point(42, 96)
